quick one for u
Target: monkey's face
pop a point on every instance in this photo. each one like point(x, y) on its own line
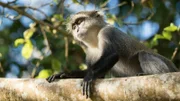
point(79, 28)
point(85, 25)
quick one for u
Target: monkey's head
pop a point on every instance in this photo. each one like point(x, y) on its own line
point(85, 25)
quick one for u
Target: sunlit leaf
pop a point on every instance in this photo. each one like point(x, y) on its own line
point(56, 64)
point(171, 28)
point(158, 36)
point(120, 22)
point(75, 1)
point(111, 18)
point(154, 41)
point(147, 44)
point(86, 2)
point(111, 21)
point(44, 73)
point(178, 28)
point(4, 49)
point(56, 1)
point(147, 3)
point(28, 33)
point(167, 35)
point(32, 25)
point(59, 17)
point(27, 49)
point(18, 42)
point(104, 3)
point(83, 66)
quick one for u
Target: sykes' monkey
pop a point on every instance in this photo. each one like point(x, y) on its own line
point(109, 49)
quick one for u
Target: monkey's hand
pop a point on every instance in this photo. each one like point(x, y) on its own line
point(87, 84)
point(56, 76)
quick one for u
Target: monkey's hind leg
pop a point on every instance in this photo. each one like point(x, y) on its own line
point(152, 63)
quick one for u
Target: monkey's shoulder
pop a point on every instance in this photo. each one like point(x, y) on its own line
point(108, 31)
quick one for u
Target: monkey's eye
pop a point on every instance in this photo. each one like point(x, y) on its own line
point(73, 27)
point(97, 15)
point(79, 21)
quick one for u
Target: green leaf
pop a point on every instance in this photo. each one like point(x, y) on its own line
point(56, 64)
point(18, 42)
point(154, 41)
point(83, 66)
point(75, 1)
point(55, 1)
point(171, 28)
point(111, 19)
point(103, 3)
point(32, 25)
point(120, 22)
point(59, 17)
point(158, 36)
point(86, 2)
point(28, 33)
point(167, 35)
point(27, 49)
point(147, 3)
point(44, 73)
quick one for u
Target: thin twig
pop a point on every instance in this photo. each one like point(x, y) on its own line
point(1, 68)
point(47, 45)
point(46, 4)
point(175, 52)
point(26, 7)
point(104, 4)
point(34, 19)
point(1, 17)
point(12, 2)
point(148, 18)
point(121, 4)
point(65, 38)
point(131, 10)
point(35, 69)
point(66, 48)
point(45, 38)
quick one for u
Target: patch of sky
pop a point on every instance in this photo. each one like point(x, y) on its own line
point(15, 55)
point(14, 69)
point(114, 3)
point(10, 75)
point(177, 17)
point(73, 7)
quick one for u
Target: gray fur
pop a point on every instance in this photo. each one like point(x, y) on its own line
point(134, 57)
point(129, 64)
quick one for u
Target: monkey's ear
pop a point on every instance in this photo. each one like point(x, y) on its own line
point(94, 14)
point(97, 15)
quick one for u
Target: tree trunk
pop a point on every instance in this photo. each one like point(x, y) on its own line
point(162, 87)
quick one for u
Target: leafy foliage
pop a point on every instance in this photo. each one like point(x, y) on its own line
point(166, 34)
point(28, 46)
point(47, 48)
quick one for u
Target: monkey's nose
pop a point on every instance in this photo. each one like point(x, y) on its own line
point(77, 29)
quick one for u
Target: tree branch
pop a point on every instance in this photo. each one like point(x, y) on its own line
point(162, 87)
point(22, 12)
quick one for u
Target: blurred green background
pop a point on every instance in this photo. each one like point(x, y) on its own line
point(34, 42)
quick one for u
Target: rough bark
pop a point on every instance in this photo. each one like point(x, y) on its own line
point(162, 87)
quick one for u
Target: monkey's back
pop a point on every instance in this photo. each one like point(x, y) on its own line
point(128, 48)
